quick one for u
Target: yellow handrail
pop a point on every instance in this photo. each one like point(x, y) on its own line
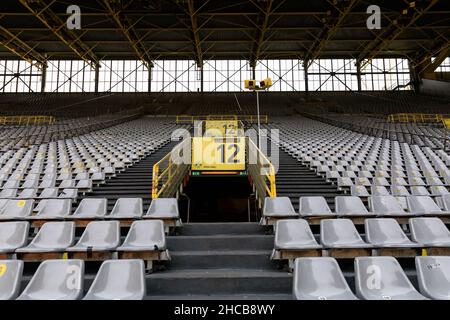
point(417, 117)
point(261, 170)
point(26, 120)
point(168, 174)
point(247, 118)
point(446, 123)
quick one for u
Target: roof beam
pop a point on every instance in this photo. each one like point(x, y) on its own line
point(330, 29)
point(265, 17)
point(41, 10)
point(405, 20)
point(426, 65)
point(129, 32)
point(195, 32)
point(20, 48)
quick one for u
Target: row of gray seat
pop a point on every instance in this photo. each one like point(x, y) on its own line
point(99, 236)
point(88, 209)
point(376, 278)
point(64, 280)
point(281, 207)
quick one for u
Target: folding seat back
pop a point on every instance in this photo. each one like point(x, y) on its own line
point(68, 194)
point(294, 234)
point(28, 194)
point(30, 184)
point(430, 232)
point(386, 232)
point(423, 205)
point(163, 209)
point(433, 277)
point(8, 193)
point(10, 278)
point(52, 236)
point(145, 234)
point(56, 280)
point(385, 206)
point(118, 280)
point(127, 208)
point(382, 278)
point(419, 191)
point(350, 206)
point(99, 235)
point(91, 208)
point(379, 191)
point(13, 235)
point(320, 279)
point(49, 193)
point(310, 206)
point(279, 206)
point(340, 233)
point(359, 191)
point(55, 208)
point(16, 209)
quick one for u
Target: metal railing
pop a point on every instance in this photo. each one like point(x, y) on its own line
point(27, 120)
point(245, 118)
point(417, 117)
point(168, 174)
point(261, 171)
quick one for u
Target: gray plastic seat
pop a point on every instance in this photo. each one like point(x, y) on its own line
point(54, 209)
point(387, 233)
point(27, 194)
point(313, 207)
point(386, 206)
point(98, 236)
point(10, 279)
point(13, 235)
point(294, 234)
point(68, 194)
point(67, 184)
point(145, 235)
point(8, 193)
point(382, 278)
point(350, 206)
point(91, 209)
point(433, 276)
point(431, 232)
point(118, 280)
point(56, 280)
point(52, 237)
point(320, 279)
point(126, 208)
point(163, 209)
point(49, 193)
point(30, 184)
point(279, 207)
point(424, 205)
point(17, 209)
point(340, 233)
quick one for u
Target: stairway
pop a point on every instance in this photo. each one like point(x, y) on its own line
point(295, 180)
point(134, 182)
point(220, 261)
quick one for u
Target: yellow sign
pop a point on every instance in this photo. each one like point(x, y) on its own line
point(221, 128)
point(218, 154)
point(3, 269)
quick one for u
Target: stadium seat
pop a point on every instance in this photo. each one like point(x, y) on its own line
point(277, 208)
point(294, 238)
point(54, 209)
point(351, 207)
point(314, 207)
point(16, 209)
point(386, 206)
point(320, 279)
point(53, 237)
point(382, 278)
point(146, 240)
point(13, 235)
point(90, 209)
point(126, 208)
point(433, 277)
point(118, 280)
point(165, 210)
point(98, 241)
point(10, 279)
point(431, 232)
point(424, 205)
point(56, 280)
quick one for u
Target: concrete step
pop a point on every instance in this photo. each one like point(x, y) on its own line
point(218, 282)
point(205, 229)
point(258, 259)
point(220, 242)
